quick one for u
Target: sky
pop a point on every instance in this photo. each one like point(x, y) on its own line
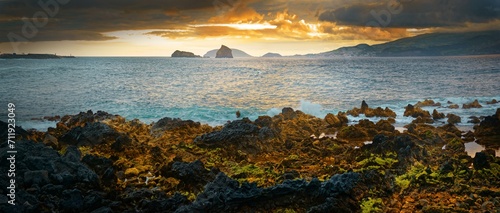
point(288, 27)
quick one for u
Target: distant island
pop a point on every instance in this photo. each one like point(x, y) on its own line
point(433, 44)
point(235, 52)
point(32, 56)
point(272, 55)
point(183, 54)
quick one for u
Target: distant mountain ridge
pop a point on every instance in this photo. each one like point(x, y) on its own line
point(434, 44)
point(236, 54)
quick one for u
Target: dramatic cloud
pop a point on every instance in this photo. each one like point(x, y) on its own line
point(415, 14)
point(91, 18)
point(174, 21)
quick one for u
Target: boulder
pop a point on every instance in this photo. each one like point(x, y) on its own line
point(426, 103)
point(369, 112)
point(474, 104)
point(224, 52)
point(90, 135)
point(494, 101)
point(437, 116)
point(481, 161)
point(416, 112)
point(489, 127)
point(241, 134)
point(167, 124)
point(453, 119)
point(339, 193)
point(182, 54)
point(474, 120)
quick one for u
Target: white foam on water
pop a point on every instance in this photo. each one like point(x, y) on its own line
point(38, 125)
point(311, 108)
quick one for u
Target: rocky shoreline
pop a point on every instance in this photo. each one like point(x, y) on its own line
point(292, 162)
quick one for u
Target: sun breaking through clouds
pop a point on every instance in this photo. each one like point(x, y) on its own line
point(158, 27)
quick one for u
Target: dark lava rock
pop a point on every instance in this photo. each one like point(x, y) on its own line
point(338, 194)
point(166, 124)
point(224, 52)
point(89, 135)
point(288, 113)
point(481, 161)
point(436, 115)
point(72, 201)
point(474, 120)
point(490, 126)
point(39, 177)
point(85, 117)
point(453, 119)
point(165, 205)
point(494, 101)
point(474, 104)
point(416, 112)
point(194, 175)
point(243, 134)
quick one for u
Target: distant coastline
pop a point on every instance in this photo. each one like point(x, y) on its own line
point(32, 56)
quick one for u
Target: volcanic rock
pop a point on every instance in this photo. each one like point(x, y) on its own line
point(416, 112)
point(436, 115)
point(90, 135)
point(453, 119)
point(224, 52)
point(182, 54)
point(474, 104)
point(494, 101)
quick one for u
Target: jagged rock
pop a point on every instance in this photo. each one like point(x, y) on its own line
point(436, 115)
point(83, 118)
point(474, 104)
point(90, 135)
point(165, 204)
point(416, 112)
point(288, 113)
point(72, 201)
point(490, 126)
point(425, 120)
point(369, 112)
point(182, 54)
point(39, 177)
point(167, 124)
point(193, 175)
point(336, 121)
point(224, 52)
point(50, 140)
point(427, 102)
point(453, 119)
point(494, 101)
point(242, 134)
point(453, 106)
point(481, 161)
point(474, 120)
point(385, 125)
point(352, 133)
point(226, 195)
point(488, 131)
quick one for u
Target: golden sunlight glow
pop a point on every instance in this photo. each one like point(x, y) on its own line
point(242, 26)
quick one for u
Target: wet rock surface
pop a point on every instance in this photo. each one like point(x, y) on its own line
point(291, 162)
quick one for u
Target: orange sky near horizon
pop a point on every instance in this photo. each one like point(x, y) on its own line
point(288, 27)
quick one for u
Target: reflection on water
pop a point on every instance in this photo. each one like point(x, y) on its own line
point(472, 147)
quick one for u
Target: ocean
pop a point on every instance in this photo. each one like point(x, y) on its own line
point(212, 90)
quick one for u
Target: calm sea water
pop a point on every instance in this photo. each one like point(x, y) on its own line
point(212, 90)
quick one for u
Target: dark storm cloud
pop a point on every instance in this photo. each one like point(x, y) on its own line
point(87, 20)
point(416, 13)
